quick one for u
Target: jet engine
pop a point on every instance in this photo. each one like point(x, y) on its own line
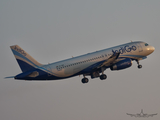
point(125, 63)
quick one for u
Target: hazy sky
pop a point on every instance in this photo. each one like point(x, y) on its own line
point(52, 30)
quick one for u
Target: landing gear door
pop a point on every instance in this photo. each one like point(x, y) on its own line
point(140, 49)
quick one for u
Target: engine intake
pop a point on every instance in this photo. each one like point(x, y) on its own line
point(126, 63)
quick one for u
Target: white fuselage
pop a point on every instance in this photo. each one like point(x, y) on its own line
point(69, 67)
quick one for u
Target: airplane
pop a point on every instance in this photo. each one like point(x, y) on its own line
point(141, 114)
point(92, 64)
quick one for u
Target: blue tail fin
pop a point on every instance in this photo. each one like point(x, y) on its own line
point(25, 61)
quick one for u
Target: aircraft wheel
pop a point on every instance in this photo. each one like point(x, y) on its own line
point(139, 66)
point(85, 80)
point(103, 77)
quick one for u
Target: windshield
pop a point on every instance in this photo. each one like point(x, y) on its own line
point(146, 44)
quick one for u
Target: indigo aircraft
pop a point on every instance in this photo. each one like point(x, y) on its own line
point(92, 64)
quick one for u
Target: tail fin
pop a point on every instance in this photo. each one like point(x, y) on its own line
point(25, 61)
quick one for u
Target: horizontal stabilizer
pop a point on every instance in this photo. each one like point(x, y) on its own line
point(9, 77)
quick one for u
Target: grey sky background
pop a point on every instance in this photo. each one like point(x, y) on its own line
point(53, 30)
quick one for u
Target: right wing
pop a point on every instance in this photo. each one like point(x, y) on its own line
point(131, 115)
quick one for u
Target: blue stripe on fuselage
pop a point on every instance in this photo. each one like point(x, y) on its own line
point(44, 75)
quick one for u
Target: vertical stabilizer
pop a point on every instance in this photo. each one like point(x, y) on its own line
point(141, 110)
point(25, 61)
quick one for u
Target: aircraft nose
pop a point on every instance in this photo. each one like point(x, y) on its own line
point(151, 49)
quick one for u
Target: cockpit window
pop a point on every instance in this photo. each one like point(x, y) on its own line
point(146, 44)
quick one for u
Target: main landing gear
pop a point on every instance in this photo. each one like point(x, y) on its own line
point(139, 66)
point(103, 77)
point(86, 80)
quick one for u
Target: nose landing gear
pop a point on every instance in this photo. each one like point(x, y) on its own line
point(139, 66)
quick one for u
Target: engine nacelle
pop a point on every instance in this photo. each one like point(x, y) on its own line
point(127, 62)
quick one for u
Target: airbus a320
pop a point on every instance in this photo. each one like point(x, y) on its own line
point(92, 64)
